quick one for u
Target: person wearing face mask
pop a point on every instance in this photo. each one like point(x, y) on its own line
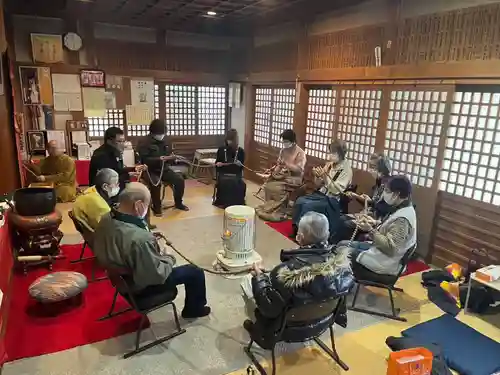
point(95, 202)
point(110, 155)
point(286, 175)
point(230, 189)
point(379, 167)
point(155, 152)
point(313, 274)
point(391, 236)
point(125, 242)
point(332, 180)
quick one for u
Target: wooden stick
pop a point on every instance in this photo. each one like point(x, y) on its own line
point(38, 258)
point(29, 170)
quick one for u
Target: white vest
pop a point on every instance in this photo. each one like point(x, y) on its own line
point(377, 261)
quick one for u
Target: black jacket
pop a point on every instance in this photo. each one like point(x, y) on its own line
point(150, 150)
point(300, 280)
point(227, 154)
point(107, 156)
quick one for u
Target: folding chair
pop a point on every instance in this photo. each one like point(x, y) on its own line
point(368, 278)
point(303, 316)
point(87, 240)
point(144, 306)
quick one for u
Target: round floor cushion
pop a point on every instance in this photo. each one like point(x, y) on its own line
point(58, 286)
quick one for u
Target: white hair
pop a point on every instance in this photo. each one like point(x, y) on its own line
point(106, 176)
point(314, 227)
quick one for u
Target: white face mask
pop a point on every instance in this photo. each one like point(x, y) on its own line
point(287, 144)
point(113, 191)
point(333, 158)
point(159, 137)
point(389, 198)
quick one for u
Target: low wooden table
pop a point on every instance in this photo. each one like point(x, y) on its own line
point(41, 184)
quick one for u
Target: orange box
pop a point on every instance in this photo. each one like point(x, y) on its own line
point(416, 361)
point(488, 273)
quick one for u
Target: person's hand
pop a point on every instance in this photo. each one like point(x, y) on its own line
point(41, 178)
point(168, 158)
point(219, 164)
point(141, 168)
point(365, 198)
point(256, 269)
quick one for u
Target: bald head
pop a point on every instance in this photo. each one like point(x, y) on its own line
point(135, 199)
point(53, 149)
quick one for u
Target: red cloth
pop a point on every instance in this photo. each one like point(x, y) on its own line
point(30, 333)
point(6, 263)
point(82, 172)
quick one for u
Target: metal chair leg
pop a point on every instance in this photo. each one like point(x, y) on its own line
point(355, 296)
point(82, 252)
point(112, 314)
point(93, 278)
point(393, 316)
point(331, 352)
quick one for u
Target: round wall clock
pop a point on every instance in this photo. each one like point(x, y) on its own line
point(73, 41)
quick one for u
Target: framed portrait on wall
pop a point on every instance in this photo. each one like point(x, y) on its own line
point(47, 48)
point(36, 85)
point(92, 78)
point(37, 141)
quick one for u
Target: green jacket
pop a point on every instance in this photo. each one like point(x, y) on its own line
point(123, 241)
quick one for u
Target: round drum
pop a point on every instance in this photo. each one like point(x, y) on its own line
point(239, 232)
point(42, 223)
point(34, 201)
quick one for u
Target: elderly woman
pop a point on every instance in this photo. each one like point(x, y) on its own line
point(332, 180)
point(287, 173)
point(380, 168)
point(314, 274)
point(390, 237)
point(230, 188)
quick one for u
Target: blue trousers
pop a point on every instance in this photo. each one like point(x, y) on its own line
point(193, 280)
point(321, 203)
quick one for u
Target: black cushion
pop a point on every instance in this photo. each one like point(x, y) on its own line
point(147, 301)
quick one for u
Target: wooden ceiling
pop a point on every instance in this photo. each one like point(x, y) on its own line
point(232, 16)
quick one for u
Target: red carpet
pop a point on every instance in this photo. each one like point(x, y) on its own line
point(285, 228)
point(30, 334)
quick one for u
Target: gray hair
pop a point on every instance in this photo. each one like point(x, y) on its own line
point(133, 192)
point(314, 227)
point(106, 176)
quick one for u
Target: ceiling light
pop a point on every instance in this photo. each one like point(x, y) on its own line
point(211, 13)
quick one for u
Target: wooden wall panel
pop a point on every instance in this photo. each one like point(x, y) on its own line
point(462, 225)
point(344, 49)
point(274, 57)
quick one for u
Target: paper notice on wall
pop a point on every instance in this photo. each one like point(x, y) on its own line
point(60, 120)
point(66, 83)
point(66, 102)
point(110, 98)
point(141, 114)
point(142, 91)
point(94, 103)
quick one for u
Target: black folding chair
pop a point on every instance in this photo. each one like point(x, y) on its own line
point(300, 317)
point(369, 278)
point(87, 241)
point(143, 305)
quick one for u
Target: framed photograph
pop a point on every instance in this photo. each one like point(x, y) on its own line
point(36, 141)
point(36, 85)
point(92, 78)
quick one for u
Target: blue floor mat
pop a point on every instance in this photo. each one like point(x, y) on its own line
point(465, 349)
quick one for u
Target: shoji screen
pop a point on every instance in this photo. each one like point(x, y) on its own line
point(359, 114)
point(413, 132)
point(320, 117)
point(282, 113)
point(98, 125)
point(274, 111)
point(212, 101)
point(180, 109)
point(472, 155)
point(262, 124)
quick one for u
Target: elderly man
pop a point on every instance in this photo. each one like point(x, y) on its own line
point(95, 201)
point(312, 273)
point(124, 241)
point(59, 169)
